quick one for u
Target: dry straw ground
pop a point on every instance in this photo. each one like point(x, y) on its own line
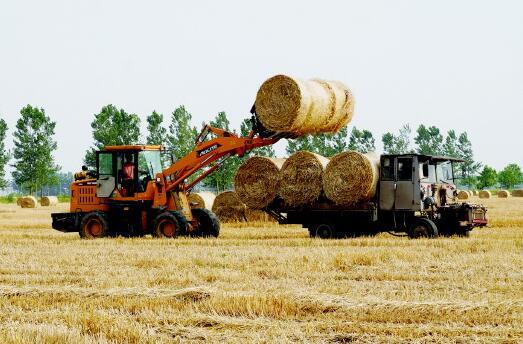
point(261, 284)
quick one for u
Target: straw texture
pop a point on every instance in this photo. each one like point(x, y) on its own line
point(47, 201)
point(202, 199)
point(257, 181)
point(285, 104)
point(301, 178)
point(351, 177)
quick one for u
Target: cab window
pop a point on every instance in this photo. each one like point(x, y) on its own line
point(404, 168)
point(105, 164)
point(387, 169)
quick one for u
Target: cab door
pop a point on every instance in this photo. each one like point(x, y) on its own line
point(405, 193)
point(106, 182)
point(387, 183)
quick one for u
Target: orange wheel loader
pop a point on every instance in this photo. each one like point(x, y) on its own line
point(133, 195)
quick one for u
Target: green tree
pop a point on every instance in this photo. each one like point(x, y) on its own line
point(112, 127)
point(4, 154)
point(157, 134)
point(429, 140)
point(182, 134)
point(33, 152)
point(487, 178)
point(223, 177)
point(268, 151)
point(510, 176)
point(397, 144)
point(469, 168)
point(450, 146)
point(361, 141)
point(324, 144)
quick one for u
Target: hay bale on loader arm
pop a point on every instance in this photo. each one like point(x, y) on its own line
point(291, 105)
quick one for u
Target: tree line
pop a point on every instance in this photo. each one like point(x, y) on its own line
point(34, 144)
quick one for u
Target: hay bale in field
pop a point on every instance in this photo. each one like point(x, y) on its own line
point(285, 104)
point(463, 194)
point(517, 193)
point(351, 177)
point(484, 194)
point(19, 201)
point(470, 193)
point(47, 201)
point(203, 199)
point(474, 192)
point(228, 207)
point(503, 194)
point(257, 181)
point(28, 202)
point(301, 178)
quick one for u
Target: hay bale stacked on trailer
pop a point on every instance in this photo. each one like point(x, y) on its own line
point(202, 199)
point(485, 194)
point(257, 181)
point(301, 178)
point(285, 104)
point(351, 177)
point(47, 201)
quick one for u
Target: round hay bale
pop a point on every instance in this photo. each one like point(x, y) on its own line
point(19, 201)
point(517, 193)
point(28, 202)
point(47, 201)
point(228, 207)
point(484, 194)
point(470, 192)
point(474, 192)
point(257, 181)
point(202, 199)
point(285, 104)
point(351, 177)
point(463, 194)
point(503, 194)
point(301, 178)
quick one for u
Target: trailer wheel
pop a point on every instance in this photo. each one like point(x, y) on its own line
point(208, 223)
point(166, 225)
point(422, 228)
point(94, 225)
point(325, 231)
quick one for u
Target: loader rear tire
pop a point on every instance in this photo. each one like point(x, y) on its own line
point(166, 225)
point(208, 223)
point(422, 228)
point(94, 225)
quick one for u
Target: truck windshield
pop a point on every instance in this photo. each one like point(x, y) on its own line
point(444, 172)
point(150, 162)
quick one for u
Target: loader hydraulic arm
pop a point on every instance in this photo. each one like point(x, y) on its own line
point(208, 155)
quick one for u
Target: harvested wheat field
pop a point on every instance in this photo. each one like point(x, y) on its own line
point(261, 283)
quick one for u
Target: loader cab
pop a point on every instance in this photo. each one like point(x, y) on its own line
point(412, 182)
point(124, 171)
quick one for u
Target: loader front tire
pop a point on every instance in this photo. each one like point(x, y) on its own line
point(94, 225)
point(166, 225)
point(208, 223)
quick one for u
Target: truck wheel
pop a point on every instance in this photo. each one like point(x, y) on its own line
point(422, 228)
point(208, 223)
point(166, 225)
point(94, 225)
point(325, 231)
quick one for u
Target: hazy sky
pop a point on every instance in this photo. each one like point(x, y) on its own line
point(453, 64)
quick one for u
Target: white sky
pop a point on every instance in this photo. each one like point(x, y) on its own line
point(453, 64)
